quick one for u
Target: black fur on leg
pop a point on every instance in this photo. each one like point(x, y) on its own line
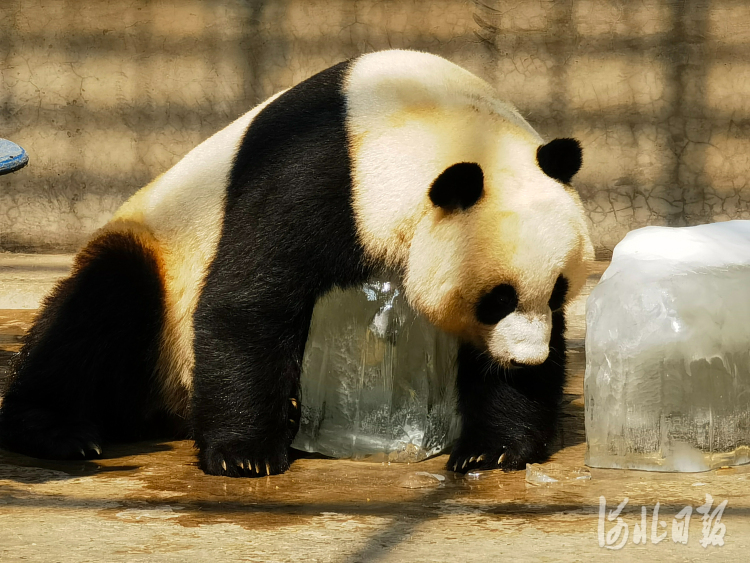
point(84, 374)
point(509, 416)
point(288, 237)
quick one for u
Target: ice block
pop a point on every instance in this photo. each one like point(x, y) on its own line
point(378, 380)
point(667, 384)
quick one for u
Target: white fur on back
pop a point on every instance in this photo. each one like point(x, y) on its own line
point(184, 209)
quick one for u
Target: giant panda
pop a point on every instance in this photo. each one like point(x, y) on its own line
point(191, 307)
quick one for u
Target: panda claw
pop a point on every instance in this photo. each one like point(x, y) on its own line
point(224, 465)
point(82, 452)
point(501, 458)
point(257, 469)
point(268, 469)
point(472, 459)
point(294, 402)
point(464, 465)
point(480, 458)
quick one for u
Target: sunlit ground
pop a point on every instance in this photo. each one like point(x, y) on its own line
point(149, 501)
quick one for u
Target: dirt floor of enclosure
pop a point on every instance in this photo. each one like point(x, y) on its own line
point(149, 501)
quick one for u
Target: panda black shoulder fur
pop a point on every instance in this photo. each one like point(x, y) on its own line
point(194, 302)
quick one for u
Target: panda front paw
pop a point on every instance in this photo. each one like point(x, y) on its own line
point(474, 456)
point(242, 459)
point(222, 453)
point(463, 461)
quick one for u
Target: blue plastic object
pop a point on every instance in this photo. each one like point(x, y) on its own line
point(12, 157)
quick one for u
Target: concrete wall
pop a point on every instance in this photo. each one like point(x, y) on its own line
point(106, 94)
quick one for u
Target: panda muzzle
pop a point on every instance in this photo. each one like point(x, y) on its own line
point(521, 339)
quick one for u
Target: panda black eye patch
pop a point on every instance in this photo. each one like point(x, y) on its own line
point(497, 304)
point(557, 300)
point(458, 187)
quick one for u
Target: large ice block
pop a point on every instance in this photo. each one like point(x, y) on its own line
point(378, 380)
point(667, 385)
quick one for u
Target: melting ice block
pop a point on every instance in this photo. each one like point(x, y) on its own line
point(667, 383)
point(378, 380)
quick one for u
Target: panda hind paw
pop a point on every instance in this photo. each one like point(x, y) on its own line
point(75, 447)
point(48, 435)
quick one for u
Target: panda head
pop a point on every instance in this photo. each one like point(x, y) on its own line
point(501, 250)
point(453, 188)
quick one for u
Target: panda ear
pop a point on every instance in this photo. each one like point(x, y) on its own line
point(560, 159)
point(458, 187)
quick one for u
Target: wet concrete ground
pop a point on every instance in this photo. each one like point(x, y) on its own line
point(149, 501)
